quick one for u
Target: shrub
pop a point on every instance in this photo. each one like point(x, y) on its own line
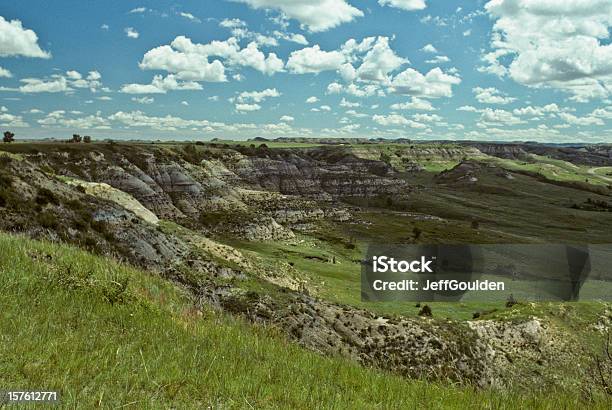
point(8, 137)
point(425, 311)
point(416, 233)
point(45, 196)
point(87, 139)
point(5, 181)
point(47, 220)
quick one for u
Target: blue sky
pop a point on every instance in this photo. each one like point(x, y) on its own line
point(506, 70)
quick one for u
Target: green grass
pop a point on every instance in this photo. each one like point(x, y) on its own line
point(107, 335)
point(341, 281)
point(553, 169)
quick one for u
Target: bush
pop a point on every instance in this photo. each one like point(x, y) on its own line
point(47, 220)
point(416, 233)
point(45, 196)
point(8, 137)
point(5, 181)
point(425, 311)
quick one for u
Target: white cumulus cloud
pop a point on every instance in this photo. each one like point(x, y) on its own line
point(131, 32)
point(314, 60)
point(409, 5)
point(316, 15)
point(415, 103)
point(15, 40)
point(5, 73)
point(491, 95)
point(258, 96)
point(560, 44)
point(434, 84)
point(161, 85)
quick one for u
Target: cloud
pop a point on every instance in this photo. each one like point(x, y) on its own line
point(293, 37)
point(434, 84)
point(18, 41)
point(605, 113)
point(467, 108)
point(233, 23)
point(537, 111)
point(379, 61)
point(491, 117)
point(491, 95)
point(190, 17)
point(10, 120)
point(131, 32)
point(438, 60)
point(415, 103)
point(428, 118)
point(257, 96)
point(185, 62)
point(393, 119)
point(104, 27)
point(287, 118)
point(138, 10)
point(59, 83)
point(58, 119)
point(554, 44)
point(317, 15)
point(190, 61)
point(409, 5)
point(143, 100)
point(160, 85)
point(312, 100)
point(356, 114)
point(5, 73)
point(35, 85)
point(347, 104)
point(314, 60)
point(138, 119)
point(353, 89)
point(581, 121)
point(429, 48)
point(239, 30)
point(250, 100)
point(372, 60)
point(396, 120)
point(248, 107)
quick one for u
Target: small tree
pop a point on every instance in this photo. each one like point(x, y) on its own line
point(416, 233)
point(425, 311)
point(87, 139)
point(76, 138)
point(8, 137)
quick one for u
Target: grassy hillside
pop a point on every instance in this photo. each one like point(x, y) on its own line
point(107, 335)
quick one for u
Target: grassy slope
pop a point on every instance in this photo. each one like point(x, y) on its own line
point(105, 334)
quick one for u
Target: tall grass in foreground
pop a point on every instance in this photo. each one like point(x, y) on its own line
point(108, 335)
